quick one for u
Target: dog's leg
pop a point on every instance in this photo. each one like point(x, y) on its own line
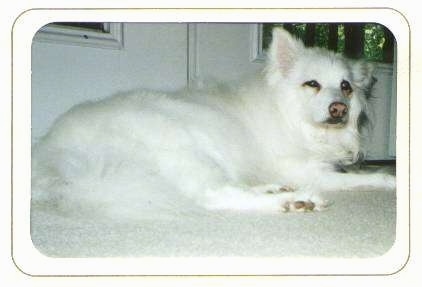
point(245, 199)
point(321, 178)
point(350, 181)
point(264, 198)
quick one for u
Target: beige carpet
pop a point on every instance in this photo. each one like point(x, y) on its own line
point(358, 224)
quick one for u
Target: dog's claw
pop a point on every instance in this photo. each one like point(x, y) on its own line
point(300, 206)
point(281, 189)
point(286, 188)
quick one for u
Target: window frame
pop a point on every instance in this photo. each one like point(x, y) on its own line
point(111, 38)
point(257, 53)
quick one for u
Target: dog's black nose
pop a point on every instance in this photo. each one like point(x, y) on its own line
point(337, 110)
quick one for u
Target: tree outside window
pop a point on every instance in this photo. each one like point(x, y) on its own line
point(371, 41)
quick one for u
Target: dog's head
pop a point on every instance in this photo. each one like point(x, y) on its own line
point(321, 91)
point(332, 90)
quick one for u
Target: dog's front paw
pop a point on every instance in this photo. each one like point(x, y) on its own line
point(385, 181)
point(390, 181)
point(304, 205)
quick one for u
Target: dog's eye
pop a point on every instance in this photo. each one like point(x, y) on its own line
point(346, 87)
point(312, 84)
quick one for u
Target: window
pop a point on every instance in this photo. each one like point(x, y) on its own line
point(92, 34)
point(371, 41)
point(87, 26)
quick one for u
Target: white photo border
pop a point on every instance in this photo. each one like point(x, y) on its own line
point(31, 262)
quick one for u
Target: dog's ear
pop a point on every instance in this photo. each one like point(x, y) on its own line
point(284, 50)
point(363, 74)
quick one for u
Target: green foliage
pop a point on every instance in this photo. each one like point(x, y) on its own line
point(321, 35)
point(341, 39)
point(374, 37)
point(374, 42)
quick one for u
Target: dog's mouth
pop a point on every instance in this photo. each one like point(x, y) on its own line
point(353, 158)
point(335, 122)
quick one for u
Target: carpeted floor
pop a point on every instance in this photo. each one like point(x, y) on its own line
point(358, 224)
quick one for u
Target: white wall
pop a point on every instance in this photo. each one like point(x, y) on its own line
point(161, 57)
point(382, 146)
point(222, 52)
point(154, 57)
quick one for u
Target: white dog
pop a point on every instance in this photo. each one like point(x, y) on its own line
point(271, 145)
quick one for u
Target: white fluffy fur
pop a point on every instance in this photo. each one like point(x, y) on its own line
point(221, 147)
